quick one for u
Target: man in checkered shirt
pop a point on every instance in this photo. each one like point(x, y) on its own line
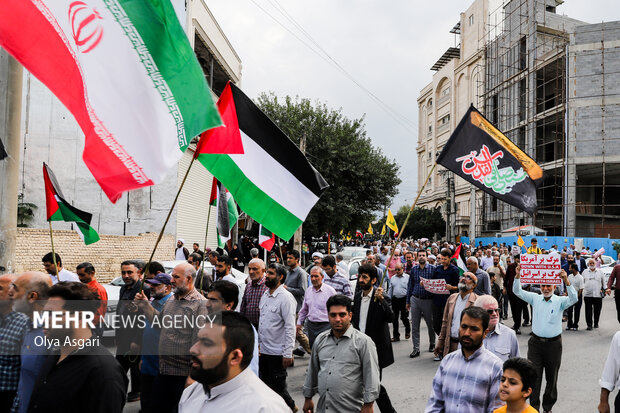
point(13, 326)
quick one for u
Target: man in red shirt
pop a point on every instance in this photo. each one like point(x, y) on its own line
point(86, 272)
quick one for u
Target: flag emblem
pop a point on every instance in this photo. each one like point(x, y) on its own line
point(391, 222)
point(85, 27)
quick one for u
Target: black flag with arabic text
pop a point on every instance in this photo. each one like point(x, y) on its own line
point(479, 153)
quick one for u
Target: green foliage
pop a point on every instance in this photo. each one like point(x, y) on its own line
point(423, 223)
point(362, 180)
point(25, 212)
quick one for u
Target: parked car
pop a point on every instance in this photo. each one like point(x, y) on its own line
point(349, 253)
point(353, 265)
point(322, 247)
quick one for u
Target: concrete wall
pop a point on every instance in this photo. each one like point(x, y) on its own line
point(106, 255)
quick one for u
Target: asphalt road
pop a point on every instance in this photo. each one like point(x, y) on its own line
point(408, 381)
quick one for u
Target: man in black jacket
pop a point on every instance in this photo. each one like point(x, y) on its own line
point(372, 312)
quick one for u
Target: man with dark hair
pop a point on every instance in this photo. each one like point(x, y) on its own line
point(52, 270)
point(445, 270)
point(28, 293)
point(129, 338)
point(203, 279)
point(518, 307)
point(181, 253)
point(574, 311)
point(86, 272)
point(372, 312)
point(420, 303)
point(153, 268)
point(223, 273)
point(296, 284)
point(472, 364)
point(85, 379)
point(223, 296)
point(224, 383)
point(340, 390)
point(13, 328)
point(196, 247)
point(276, 332)
point(334, 279)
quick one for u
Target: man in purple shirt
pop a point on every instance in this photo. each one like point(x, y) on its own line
point(314, 310)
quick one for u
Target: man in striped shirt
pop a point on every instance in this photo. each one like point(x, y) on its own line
point(334, 279)
point(468, 379)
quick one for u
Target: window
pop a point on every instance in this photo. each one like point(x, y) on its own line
point(430, 104)
point(429, 155)
point(445, 92)
point(430, 130)
point(445, 120)
point(471, 20)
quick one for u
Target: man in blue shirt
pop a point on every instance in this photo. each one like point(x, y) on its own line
point(545, 344)
point(450, 273)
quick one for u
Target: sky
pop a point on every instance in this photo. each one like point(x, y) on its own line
point(388, 47)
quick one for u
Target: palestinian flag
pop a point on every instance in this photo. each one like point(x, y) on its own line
point(127, 73)
point(60, 210)
point(459, 259)
point(483, 156)
point(266, 238)
point(272, 181)
point(227, 214)
point(3, 153)
point(213, 197)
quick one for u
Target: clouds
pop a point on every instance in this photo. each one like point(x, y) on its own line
point(388, 46)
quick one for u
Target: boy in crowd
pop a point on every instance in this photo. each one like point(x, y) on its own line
point(516, 386)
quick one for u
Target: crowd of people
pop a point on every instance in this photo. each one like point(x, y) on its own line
point(238, 361)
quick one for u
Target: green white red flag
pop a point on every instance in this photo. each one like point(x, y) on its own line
point(126, 71)
point(266, 238)
point(58, 209)
point(270, 178)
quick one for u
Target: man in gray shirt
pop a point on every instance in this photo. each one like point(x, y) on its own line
point(484, 281)
point(344, 368)
point(296, 284)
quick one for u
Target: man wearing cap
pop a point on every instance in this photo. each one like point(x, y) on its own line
point(161, 291)
point(181, 253)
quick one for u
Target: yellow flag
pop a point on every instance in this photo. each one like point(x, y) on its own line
point(370, 229)
point(342, 232)
point(349, 236)
point(383, 230)
point(391, 222)
point(520, 241)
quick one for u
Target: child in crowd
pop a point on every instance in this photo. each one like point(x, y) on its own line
point(516, 386)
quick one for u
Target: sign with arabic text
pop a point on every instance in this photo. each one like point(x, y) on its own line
point(540, 269)
point(483, 156)
point(435, 286)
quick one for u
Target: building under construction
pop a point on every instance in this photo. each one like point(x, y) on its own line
point(551, 85)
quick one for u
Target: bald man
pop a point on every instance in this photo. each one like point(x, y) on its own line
point(28, 293)
point(484, 281)
point(13, 327)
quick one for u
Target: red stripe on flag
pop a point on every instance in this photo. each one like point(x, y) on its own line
point(227, 138)
point(29, 37)
point(213, 196)
point(50, 195)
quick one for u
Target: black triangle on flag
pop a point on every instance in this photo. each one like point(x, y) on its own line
point(3, 153)
point(483, 156)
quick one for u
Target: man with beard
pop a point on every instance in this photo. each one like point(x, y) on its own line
point(83, 376)
point(483, 286)
point(296, 284)
point(223, 273)
point(372, 312)
point(222, 296)
point(468, 380)
point(129, 339)
point(545, 345)
point(13, 327)
point(517, 306)
point(448, 340)
point(353, 389)
point(276, 332)
point(174, 343)
point(420, 303)
point(161, 290)
point(203, 278)
point(254, 290)
point(500, 340)
point(445, 270)
point(224, 383)
point(28, 293)
point(52, 270)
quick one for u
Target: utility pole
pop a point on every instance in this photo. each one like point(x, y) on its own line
point(11, 74)
point(298, 234)
point(472, 217)
point(453, 205)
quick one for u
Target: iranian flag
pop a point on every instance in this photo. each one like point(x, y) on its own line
point(270, 178)
point(126, 71)
point(60, 210)
point(227, 214)
point(458, 257)
point(266, 238)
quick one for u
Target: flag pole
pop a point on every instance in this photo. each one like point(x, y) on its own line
point(280, 248)
point(161, 233)
point(205, 244)
point(402, 229)
point(54, 252)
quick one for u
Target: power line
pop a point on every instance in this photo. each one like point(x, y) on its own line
point(406, 123)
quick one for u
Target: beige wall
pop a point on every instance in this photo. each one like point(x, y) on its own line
point(106, 255)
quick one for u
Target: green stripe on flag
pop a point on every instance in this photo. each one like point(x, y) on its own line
point(251, 199)
point(167, 44)
point(89, 235)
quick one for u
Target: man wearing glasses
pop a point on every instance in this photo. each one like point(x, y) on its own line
point(500, 340)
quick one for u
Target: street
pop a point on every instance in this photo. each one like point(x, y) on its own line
point(408, 381)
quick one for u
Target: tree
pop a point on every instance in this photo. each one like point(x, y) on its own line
point(423, 223)
point(361, 178)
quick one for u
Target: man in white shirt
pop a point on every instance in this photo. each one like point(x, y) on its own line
point(223, 273)
point(224, 383)
point(594, 283)
point(610, 379)
point(487, 260)
point(574, 311)
point(52, 270)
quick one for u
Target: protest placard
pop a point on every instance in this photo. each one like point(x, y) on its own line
point(540, 269)
point(435, 286)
